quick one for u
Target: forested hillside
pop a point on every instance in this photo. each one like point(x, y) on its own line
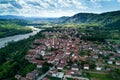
point(108, 19)
point(12, 27)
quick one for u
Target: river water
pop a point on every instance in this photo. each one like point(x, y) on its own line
point(4, 41)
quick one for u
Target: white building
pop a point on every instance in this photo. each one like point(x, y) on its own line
point(117, 63)
point(58, 75)
point(86, 66)
point(110, 62)
point(98, 68)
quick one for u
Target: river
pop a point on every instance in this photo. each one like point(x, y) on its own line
point(4, 41)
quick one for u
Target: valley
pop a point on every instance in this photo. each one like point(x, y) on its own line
point(85, 46)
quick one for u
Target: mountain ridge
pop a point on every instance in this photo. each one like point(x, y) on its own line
point(105, 19)
point(42, 19)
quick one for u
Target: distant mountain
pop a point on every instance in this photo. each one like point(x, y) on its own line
point(63, 19)
point(78, 18)
point(105, 19)
point(28, 18)
point(108, 19)
point(10, 17)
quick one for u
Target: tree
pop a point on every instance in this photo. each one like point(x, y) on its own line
point(45, 67)
point(115, 74)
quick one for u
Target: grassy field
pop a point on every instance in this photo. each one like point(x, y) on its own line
point(70, 79)
point(53, 78)
point(113, 40)
point(94, 76)
point(77, 25)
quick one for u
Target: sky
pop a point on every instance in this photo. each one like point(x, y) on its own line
point(56, 8)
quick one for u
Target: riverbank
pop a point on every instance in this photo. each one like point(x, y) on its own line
point(11, 28)
point(12, 58)
point(4, 41)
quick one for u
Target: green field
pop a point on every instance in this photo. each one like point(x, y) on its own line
point(113, 40)
point(77, 25)
point(99, 76)
point(53, 78)
point(70, 79)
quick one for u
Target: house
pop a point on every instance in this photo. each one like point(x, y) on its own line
point(31, 76)
point(75, 67)
point(63, 61)
point(95, 56)
point(17, 76)
point(98, 68)
point(110, 62)
point(61, 66)
point(39, 65)
point(68, 73)
point(82, 58)
point(112, 58)
point(67, 52)
point(58, 75)
point(51, 60)
point(108, 69)
point(36, 72)
point(53, 72)
point(86, 66)
point(118, 50)
point(45, 79)
point(42, 52)
point(117, 63)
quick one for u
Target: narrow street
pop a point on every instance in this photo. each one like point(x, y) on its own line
point(41, 77)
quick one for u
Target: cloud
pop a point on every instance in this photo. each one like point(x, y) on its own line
point(15, 4)
point(79, 5)
point(99, 0)
point(118, 0)
point(72, 3)
point(64, 3)
point(7, 8)
point(51, 8)
point(6, 1)
point(33, 3)
point(55, 13)
point(41, 7)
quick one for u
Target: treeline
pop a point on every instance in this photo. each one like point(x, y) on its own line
point(12, 58)
point(99, 34)
point(15, 21)
point(12, 27)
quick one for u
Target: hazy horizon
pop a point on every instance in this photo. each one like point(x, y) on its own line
point(56, 8)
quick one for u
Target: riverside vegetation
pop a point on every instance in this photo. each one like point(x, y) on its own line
point(12, 27)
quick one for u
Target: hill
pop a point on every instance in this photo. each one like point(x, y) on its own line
point(40, 19)
point(108, 19)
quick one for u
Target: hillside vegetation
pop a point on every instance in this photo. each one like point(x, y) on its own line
point(109, 19)
point(12, 27)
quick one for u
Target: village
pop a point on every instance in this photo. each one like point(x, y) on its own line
point(69, 56)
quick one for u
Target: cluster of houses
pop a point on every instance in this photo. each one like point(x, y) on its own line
point(30, 76)
point(63, 49)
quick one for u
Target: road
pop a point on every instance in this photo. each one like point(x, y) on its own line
point(41, 77)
